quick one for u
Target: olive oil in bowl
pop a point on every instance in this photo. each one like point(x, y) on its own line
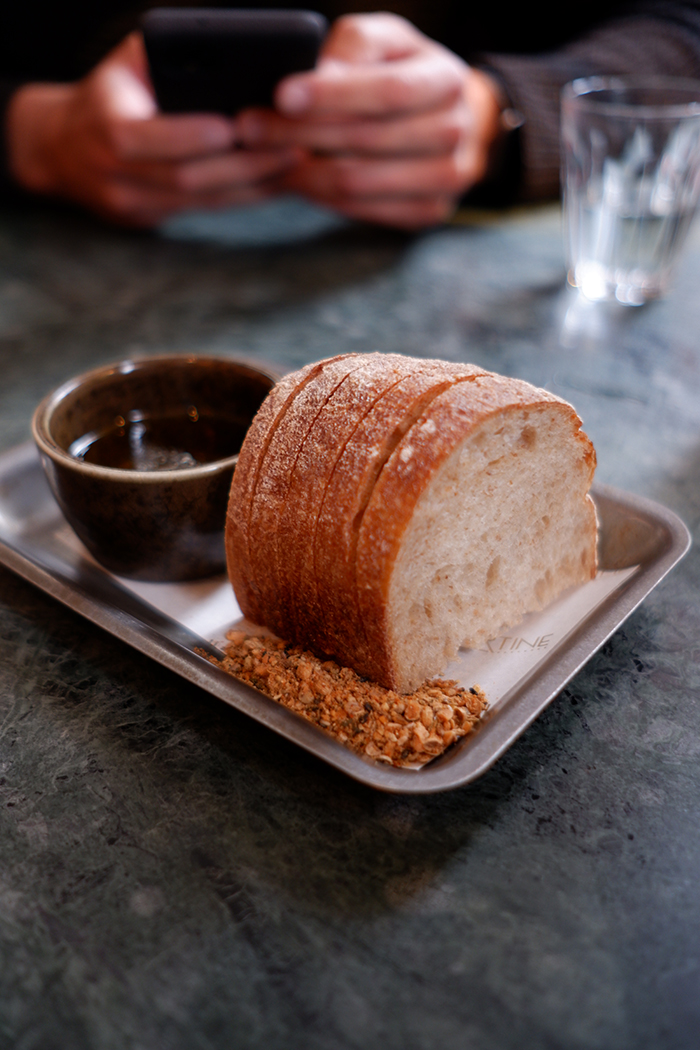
point(175, 441)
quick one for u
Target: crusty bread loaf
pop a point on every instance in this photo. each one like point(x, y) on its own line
point(389, 509)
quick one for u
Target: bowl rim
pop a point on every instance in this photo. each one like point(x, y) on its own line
point(47, 445)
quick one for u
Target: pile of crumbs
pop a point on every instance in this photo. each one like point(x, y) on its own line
point(401, 730)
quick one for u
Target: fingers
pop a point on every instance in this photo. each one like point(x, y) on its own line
point(435, 132)
point(419, 83)
point(211, 174)
point(168, 138)
point(408, 192)
point(332, 178)
point(132, 204)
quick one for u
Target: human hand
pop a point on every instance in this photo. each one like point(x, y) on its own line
point(102, 142)
point(395, 127)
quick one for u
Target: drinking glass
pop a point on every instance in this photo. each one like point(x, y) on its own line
point(631, 180)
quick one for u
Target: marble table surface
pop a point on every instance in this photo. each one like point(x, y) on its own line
point(174, 876)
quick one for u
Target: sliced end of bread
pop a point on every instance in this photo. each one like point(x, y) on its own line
point(501, 529)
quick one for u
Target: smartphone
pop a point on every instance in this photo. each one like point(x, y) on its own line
point(221, 60)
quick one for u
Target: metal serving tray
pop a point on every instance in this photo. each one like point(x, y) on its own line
point(641, 541)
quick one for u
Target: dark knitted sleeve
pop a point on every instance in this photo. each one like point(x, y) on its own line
point(641, 43)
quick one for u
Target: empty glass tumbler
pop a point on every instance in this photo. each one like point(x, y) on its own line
point(631, 180)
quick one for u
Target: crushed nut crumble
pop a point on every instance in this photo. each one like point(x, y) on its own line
point(372, 721)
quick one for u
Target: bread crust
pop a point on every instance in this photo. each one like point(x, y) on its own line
point(360, 391)
point(268, 545)
point(251, 457)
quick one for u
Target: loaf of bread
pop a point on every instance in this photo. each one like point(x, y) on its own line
point(386, 510)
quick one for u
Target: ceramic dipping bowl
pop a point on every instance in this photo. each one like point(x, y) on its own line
point(140, 456)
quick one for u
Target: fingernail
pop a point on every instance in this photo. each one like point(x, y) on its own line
point(293, 97)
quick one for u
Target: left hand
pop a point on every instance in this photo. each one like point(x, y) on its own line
point(101, 141)
point(394, 127)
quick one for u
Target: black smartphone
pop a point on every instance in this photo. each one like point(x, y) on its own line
point(221, 60)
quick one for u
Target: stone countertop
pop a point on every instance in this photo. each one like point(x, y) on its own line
point(174, 876)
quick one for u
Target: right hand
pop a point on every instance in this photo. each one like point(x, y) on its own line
point(102, 143)
point(395, 128)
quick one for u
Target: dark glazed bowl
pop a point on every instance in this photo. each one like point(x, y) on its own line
point(160, 523)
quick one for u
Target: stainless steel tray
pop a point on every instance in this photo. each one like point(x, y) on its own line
point(641, 541)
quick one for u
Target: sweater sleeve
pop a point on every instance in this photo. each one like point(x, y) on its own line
point(635, 44)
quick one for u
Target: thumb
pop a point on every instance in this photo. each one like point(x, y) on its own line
point(123, 82)
point(354, 40)
point(379, 37)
